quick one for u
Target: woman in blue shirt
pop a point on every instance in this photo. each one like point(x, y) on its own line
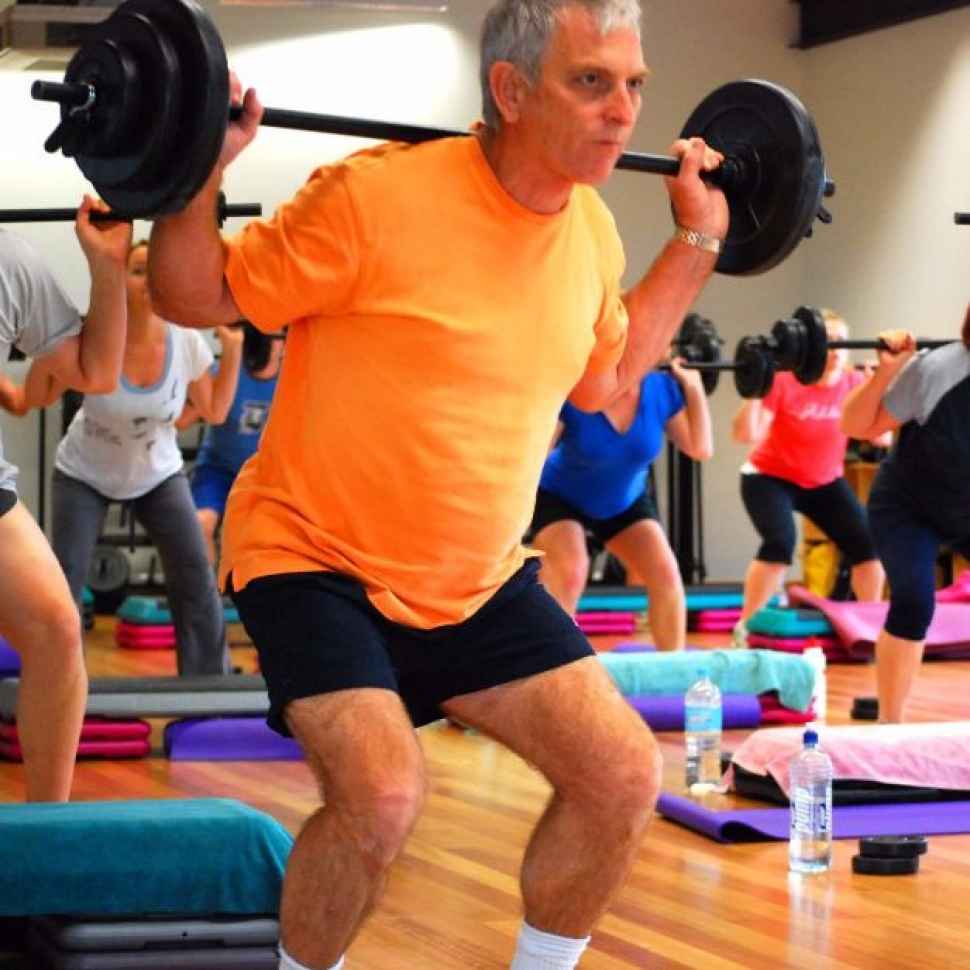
point(595, 478)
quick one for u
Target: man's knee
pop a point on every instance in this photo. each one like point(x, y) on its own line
point(622, 788)
point(379, 817)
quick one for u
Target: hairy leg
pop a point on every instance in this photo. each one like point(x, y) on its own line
point(365, 755)
point(604, 766)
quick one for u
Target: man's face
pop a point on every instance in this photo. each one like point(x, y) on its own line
point(581, 112)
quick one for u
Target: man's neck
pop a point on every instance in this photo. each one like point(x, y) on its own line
point(517, 173)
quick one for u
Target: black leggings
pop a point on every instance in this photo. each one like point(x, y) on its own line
point(909, 543)
point(771, 502)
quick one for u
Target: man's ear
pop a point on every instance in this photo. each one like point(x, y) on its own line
point(509, 90)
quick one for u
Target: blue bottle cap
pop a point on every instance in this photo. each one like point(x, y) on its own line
point(810, 738)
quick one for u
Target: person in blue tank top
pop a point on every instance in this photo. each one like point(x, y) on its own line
point(595, 478)
point(226, 447)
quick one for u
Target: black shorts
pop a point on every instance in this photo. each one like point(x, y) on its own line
point(551, 508)
point(8, 499)
point(317, 633)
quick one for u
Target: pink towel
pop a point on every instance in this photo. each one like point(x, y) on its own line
point(922, 755)
point(858, 624)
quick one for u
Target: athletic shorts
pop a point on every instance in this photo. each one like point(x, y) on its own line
point(551, 508)
point(316, 632)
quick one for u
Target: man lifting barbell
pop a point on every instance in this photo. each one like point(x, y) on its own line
point(404, 534)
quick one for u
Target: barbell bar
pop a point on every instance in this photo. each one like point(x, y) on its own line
point(799, 344)
point(164, 60)
point(239, 210)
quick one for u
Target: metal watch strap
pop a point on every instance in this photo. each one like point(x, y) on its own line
point(710, 244)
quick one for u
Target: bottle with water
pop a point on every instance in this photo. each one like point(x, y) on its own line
point(702, 724)
point(816, 657)
point(810, 793)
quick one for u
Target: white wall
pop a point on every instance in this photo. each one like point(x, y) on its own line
point(890, 108)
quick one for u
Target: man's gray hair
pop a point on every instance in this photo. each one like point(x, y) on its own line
point(518, 31)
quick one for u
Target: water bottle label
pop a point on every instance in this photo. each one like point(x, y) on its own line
point(823, 820)
point(701, 720)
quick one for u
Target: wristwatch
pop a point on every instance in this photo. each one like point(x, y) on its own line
point(710, 244)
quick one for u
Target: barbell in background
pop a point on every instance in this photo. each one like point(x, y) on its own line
point(799, 344)
point(145, 105)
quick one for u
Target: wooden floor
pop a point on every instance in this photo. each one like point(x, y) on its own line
point(452, 902)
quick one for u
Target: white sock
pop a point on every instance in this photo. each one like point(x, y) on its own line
point(545, 951)
point(288, 963)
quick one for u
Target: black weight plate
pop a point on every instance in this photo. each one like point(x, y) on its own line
point(127, 155)
point(193, 111)
point(866, 866)
point(865, 709)
point(754, 368)
point(109, 570)
point(815, 343)
point(697, 341)
point(770, 130)
point(893, 846)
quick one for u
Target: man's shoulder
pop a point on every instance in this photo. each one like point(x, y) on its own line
point(390, 161)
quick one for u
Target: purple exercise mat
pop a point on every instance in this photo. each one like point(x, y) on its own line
point(9, 660)
point(848, 821)
point(227, 739)
point(667, 713)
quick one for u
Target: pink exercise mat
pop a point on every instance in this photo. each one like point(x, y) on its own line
point(607, 616)
point(134, 636)
point(833, 650)
point(858, 624)
point(11, 751)
point(93, 729)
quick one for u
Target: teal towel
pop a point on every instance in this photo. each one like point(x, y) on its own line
point(734, 671)
point(194, 857)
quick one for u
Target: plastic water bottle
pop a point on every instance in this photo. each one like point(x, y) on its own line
point(810, 793)
point(816, 657)
point(702, 723)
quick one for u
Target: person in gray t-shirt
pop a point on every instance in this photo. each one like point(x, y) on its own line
point(920, 498)
point(37, 613)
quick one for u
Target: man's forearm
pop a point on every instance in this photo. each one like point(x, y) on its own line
point(189, 239)
point(657, 306)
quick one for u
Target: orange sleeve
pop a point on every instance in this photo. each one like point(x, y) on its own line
point(305, 261)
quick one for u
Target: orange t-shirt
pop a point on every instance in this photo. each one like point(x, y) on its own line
point(436, 327)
